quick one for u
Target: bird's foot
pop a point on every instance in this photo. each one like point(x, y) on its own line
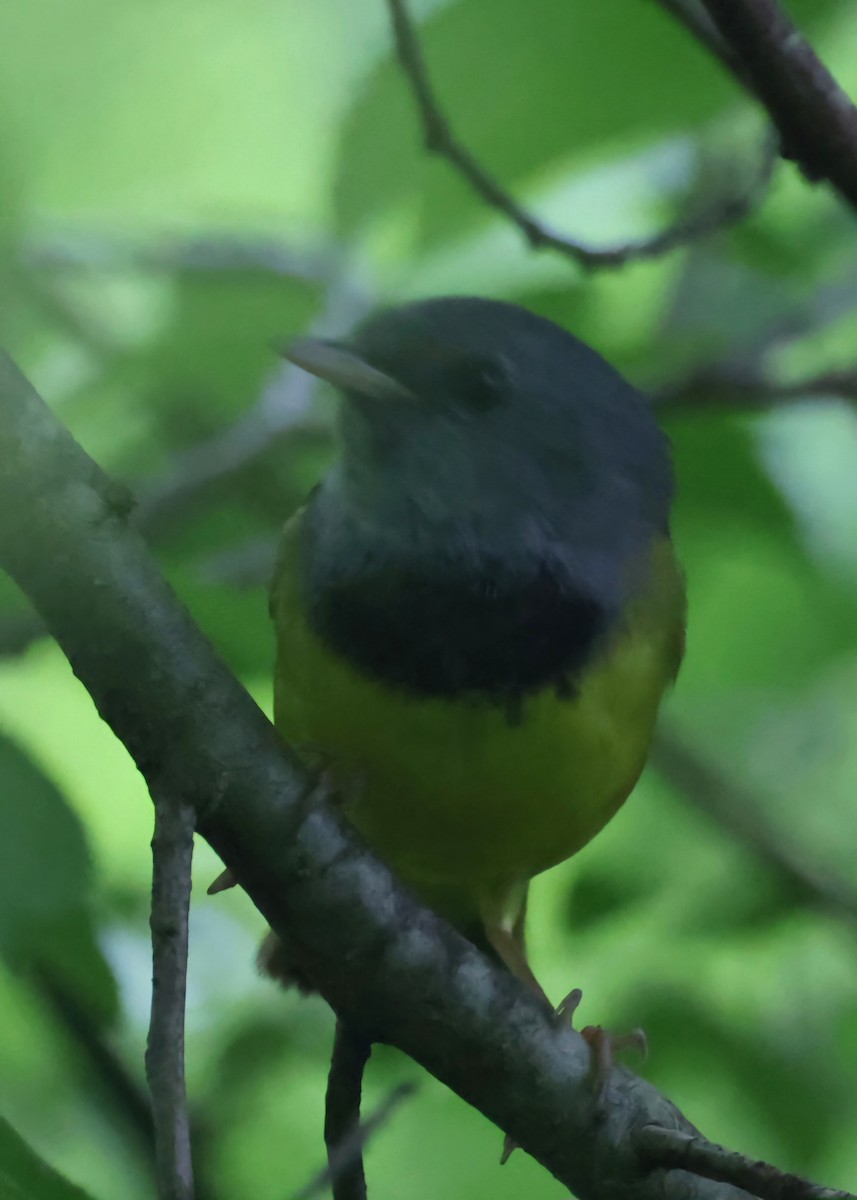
point(603, 1047)
point(602, 1044)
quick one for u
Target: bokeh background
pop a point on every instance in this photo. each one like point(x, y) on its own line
point(185, 182)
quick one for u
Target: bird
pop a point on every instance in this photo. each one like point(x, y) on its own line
point(479, 608)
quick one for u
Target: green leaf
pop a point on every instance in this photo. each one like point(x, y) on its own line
point(45, 876)
point(26, 1176)
point(720, 306)
point(598, 895)
point(761, 610)
point(767, 1067)
point(218, 347)
point(720, 478)
point(235, 619)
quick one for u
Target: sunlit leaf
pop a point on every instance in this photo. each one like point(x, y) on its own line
point(45, 878)
point(26, 1176)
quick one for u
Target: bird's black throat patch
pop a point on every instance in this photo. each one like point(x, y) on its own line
point(458, 633)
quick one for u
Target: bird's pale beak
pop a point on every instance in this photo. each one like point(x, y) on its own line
point(336, 363)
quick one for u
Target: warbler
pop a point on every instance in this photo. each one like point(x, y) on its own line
point(479, 609)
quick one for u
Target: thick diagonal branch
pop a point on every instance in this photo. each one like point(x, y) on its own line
point(815, 117)
point(392, 968)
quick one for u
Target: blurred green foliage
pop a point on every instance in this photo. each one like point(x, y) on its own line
point(23, 1176)
point(182, 185)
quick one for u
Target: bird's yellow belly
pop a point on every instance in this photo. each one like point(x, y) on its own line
point(450, 793)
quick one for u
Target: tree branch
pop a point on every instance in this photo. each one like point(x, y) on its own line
point(66, 314)
point(670, 1148)
point(351, 1149)
point(815, 117)
point(76, 250)
point(720, 213)
point(342, 1113)
point(125, 1103)
point(391, 967)
point(723, 387)
point(172, 851)
point(281, 411)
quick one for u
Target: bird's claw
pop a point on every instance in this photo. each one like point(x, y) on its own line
point(222, 883)
point(602, 1044)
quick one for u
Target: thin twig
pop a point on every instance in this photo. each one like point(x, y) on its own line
point(287, 395)
point(67, 315)
point(721, 213)
point(674, 1149)
point(125, 1102)
point(736, 809)
point(81, 250)
point(342, 1113)
point(282, 409)
point(355, 1143)
point(723, 388)
point(172, 851)
point(248, 564)
point(816, 119)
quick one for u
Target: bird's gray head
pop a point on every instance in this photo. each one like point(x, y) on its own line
point(466, 419)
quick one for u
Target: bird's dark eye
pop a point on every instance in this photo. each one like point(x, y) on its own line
point(483, 384)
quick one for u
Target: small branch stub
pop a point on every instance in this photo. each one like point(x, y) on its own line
point(671, 1148)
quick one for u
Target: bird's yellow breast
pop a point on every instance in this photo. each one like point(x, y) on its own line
point(455, 797)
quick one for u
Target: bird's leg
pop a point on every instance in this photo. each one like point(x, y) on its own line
point(513, 955)
point(508, 940)
point(505, 933)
